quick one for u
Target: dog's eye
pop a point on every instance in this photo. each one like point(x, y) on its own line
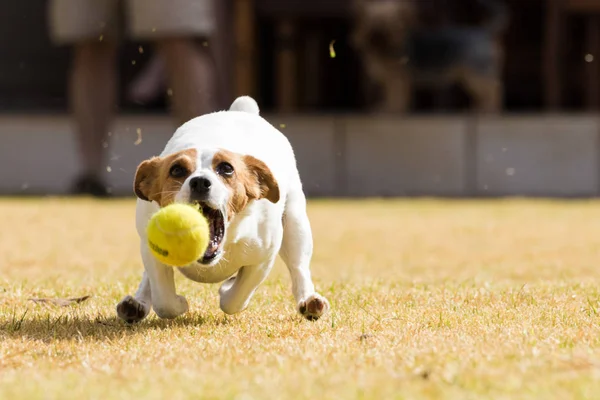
point(177, 171)
point(225, 169)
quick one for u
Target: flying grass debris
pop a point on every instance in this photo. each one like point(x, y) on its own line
point(139, 137)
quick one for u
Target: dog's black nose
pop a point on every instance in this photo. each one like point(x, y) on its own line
point(200, 185)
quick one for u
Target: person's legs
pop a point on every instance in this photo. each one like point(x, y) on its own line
point(91, 27)
point(176, 26)
point(149, 83)
point(92, 97)
point(191, 77)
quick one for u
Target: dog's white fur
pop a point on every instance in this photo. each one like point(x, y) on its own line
point(253, 238)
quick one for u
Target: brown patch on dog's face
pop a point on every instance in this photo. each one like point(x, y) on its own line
point(160, 178)
point(247, 179)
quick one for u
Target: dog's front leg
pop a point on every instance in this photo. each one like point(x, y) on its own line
point(236, 292)
point(135, 308)
point(296, 252)
point(165, 300)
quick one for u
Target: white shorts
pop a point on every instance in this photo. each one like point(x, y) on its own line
point(73, 21)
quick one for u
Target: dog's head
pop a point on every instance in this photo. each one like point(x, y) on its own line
point(382, 25)
point(222, 182)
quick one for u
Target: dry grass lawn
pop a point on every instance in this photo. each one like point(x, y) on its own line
point(431, 299)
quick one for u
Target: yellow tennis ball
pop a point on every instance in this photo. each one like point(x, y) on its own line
point(178, 234)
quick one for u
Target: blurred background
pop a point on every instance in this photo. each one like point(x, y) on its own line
point(379, 97)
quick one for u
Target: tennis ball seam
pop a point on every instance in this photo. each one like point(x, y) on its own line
point(179, 232)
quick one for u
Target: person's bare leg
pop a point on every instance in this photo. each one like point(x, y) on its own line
point(92, 98)
point(191, 77)
point(149, 83)
point(220, 45)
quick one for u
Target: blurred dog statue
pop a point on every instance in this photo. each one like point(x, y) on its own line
point(399, 54)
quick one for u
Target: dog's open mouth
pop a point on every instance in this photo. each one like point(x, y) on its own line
point(216, 223)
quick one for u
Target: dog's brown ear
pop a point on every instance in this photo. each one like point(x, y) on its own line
point(146, 185)
point(263, 184)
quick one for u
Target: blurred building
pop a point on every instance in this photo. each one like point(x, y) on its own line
point(280, 51)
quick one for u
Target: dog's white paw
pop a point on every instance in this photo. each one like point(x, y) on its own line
point(171, 310)
point(313, 307)
point(130, 310)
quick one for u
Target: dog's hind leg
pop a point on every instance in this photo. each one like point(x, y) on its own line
point(296, 252)
point(236, 292)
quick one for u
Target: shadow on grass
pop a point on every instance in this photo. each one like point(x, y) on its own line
point(70, 326)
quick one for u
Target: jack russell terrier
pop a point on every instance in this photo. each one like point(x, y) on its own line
point(243, 173)
point(399, 54)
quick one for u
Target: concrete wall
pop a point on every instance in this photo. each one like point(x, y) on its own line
point(538, 156)
point(391, 157)
point(345, 155)
point(39, 154)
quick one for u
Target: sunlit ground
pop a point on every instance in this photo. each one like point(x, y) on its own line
point(430, 299)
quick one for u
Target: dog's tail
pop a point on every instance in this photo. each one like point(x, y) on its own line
point(497, 15)
point(245, 104)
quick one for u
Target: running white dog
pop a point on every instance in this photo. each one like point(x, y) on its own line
point(243, 172)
